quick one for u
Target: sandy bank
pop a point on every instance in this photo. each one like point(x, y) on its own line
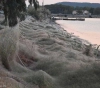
point(92, 37)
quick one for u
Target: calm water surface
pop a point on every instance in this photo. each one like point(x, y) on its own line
point(88, 29)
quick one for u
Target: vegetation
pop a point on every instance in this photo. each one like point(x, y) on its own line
point(80, 4)
point(41, 13)
point(58, 8)
point(15, 8)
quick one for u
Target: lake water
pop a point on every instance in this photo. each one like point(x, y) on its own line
point(88, 29)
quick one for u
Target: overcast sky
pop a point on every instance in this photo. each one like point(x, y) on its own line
point(55, 1)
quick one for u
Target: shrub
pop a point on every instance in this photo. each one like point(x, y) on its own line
point(40, 14)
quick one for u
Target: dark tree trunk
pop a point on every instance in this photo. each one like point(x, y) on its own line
point(35, 4)
point(12, 12)
point(30, 1)
point(5, 12)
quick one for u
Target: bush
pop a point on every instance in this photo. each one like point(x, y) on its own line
point(40, 14)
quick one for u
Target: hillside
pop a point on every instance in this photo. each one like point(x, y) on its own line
point(75, 4)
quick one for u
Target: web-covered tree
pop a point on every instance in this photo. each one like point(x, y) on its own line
point(13, 8)
point(35, 2)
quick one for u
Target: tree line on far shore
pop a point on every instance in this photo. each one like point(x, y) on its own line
point(58, 8)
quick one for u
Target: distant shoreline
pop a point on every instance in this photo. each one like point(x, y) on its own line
point(76, 16)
